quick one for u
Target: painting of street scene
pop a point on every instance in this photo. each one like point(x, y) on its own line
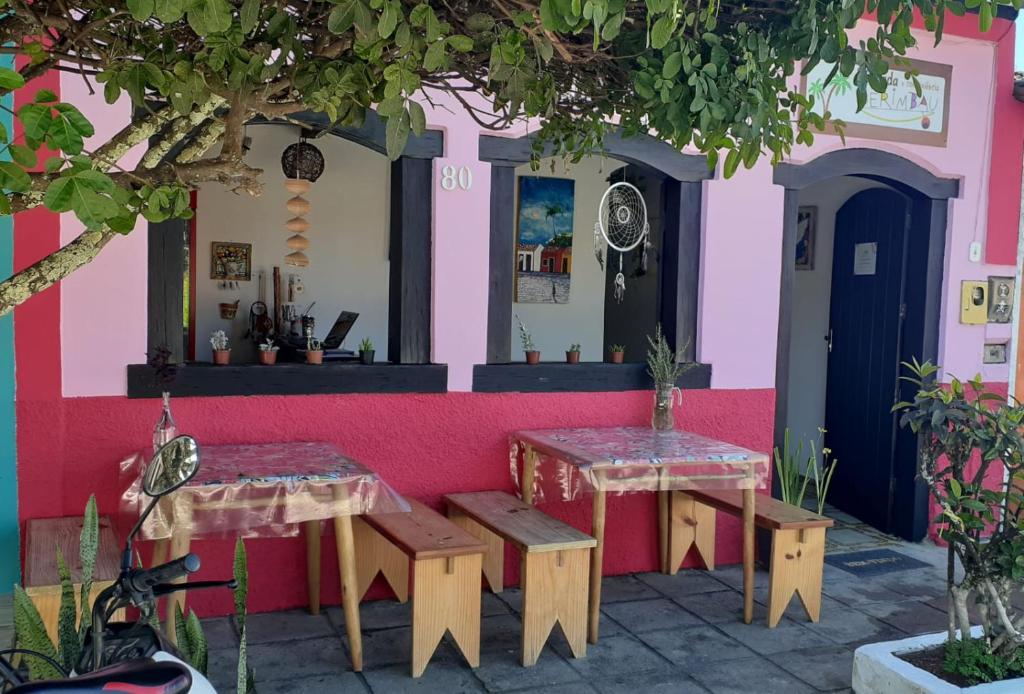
point(544, 246)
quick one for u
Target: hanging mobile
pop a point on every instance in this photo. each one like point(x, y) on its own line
point(622, 222)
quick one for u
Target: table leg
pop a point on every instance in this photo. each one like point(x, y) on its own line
point(596, 563)
point(349, 589)
point(312, 532)
point(748, 555)
point(181, 541)
point(529, 473)
point(664, 536)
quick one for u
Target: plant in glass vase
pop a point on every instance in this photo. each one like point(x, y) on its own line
point(164, 372)
point(664, 367)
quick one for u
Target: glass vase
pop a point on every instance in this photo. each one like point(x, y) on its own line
point(663, 418)
point(165, 428)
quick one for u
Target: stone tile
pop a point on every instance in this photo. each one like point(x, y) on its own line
point(513, 599)
point(686, 582)
point(850, 627)
point(732, 576)
point(695, 646)
point(795, 609)
point(347, 682)
point(385, 647)
point(786, 636)
point(826, 669)
point(499, 660)
point(850, 537)
point(222, 668)
point(491, 605)
point(580, 687)
point(285, 626)
point(379, 614)
point(649, 615)
point(921, 584)
point(748, 675)
point(613, 656)
point(441, 675)
point(860, 592)
point(720, 607)
point(625, 588)
point(910, 616)
point(661, 682)
point(220, 633)
point(292, 660)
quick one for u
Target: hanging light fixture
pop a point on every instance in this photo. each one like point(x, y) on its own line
point(302, 163)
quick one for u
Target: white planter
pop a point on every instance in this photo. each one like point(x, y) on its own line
point(877, 669)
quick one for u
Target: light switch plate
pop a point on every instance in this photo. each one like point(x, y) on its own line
point(974, 254)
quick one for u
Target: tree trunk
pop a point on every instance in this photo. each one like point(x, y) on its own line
point(51, 269)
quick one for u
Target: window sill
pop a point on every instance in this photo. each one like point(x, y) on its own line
point(208, 380)
point(587, 377)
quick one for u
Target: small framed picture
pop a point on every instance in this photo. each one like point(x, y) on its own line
point(806, 237)
point(230, 261)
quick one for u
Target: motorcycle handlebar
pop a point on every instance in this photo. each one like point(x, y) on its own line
point(146, 579)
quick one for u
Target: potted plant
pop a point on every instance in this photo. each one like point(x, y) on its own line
point(664, 366)
point(221, 347)
point(617, 353)
point(268, 352)
point(532, 353)
point(366, 351)
point(314, 351)
point(966, 436)
point(572, 355)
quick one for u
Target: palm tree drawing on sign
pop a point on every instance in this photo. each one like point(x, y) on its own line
point(839, 84)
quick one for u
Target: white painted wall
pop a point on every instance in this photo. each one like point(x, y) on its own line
point(348, 236)
point(812, 289)
point(555, 326)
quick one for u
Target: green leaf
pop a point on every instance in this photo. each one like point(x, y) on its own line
point(168, 11)
point(141, 9)
point(67, 631)
point(45, 96)
point(249, 15)
point(732, 162)
point(417, 118)
point(673, 64)
point(10, 79)
point(390, 13)
point(35, 119)
point(30, 633)
point(396, 134)
point(240, 572)
point(68, 129)
point(662, 32)
point(26, 156)
point(463, 44)
point(242, 682)
point(13, 177)
point(209, 16)
point(342, 17)
point(197, 642)
point(182, 634)
point(88, 545)
point(433, 57)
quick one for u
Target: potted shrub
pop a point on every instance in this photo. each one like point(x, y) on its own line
point(268, 352)
point(314, 351)
point(366, 351)
point(572, 355)
point(221, 347)
point(966, 435)
point(532, 353)
point(616, 354)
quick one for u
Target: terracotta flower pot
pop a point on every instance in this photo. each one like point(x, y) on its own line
point(366, 356)
point(222, 356)
point(315, 356)
point(572, 357)
point(533, 357)
point(268, 357)
point(617, 357)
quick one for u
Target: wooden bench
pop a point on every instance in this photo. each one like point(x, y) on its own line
point(43, 537)
point(555, 565)
point(446, 564)
point(798, 543)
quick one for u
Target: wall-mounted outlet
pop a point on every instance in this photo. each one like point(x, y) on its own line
point(973, 302)
point(974, 252)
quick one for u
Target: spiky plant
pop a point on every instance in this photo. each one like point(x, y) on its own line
point(665, 366)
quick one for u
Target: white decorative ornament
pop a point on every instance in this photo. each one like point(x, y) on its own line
point(452, 178)
point(622, 223)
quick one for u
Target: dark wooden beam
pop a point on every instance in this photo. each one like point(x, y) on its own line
point(410, 255)
point(680, 266)
point(790, 209)
point(165, 302)
point(587, 377)
point(502, 265)
point(869, 163)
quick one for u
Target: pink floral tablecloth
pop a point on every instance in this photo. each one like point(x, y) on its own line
point(575, 462)
point(260, 490)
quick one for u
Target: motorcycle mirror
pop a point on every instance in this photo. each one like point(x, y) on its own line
point(172, 466)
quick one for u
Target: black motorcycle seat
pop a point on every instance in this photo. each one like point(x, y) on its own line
point(142, 676)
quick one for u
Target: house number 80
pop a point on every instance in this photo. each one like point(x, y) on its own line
point(452, 178)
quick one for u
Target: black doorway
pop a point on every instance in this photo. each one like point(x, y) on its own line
point(878, 320)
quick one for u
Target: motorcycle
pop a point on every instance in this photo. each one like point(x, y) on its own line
point(133, 657)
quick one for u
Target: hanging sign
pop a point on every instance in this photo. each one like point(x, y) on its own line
point(865, 258)
point(899, 114)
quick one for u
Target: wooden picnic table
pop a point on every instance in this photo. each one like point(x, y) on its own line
point(568, 464)
point(269, 490)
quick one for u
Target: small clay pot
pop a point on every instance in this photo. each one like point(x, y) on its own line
point(617, 357)
point(366, 356)
point(314, 356)
point(268, 356)
point(533, 357)
point(572, 357)
point(222, 356)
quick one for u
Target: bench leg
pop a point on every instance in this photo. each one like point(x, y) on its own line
point(554, 590)
point(691, 523)
point(378, 555)
point(494, 558)
point(798, 558)
point(311, 530)
point(447, 597)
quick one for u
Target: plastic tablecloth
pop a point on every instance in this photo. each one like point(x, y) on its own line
point(571, 463)
point(260, 490)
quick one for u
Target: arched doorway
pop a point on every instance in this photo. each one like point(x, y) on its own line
point(869, 301)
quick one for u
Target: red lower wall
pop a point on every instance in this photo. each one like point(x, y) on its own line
point(424, 445)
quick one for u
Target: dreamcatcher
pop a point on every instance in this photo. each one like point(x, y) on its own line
point(622, 223)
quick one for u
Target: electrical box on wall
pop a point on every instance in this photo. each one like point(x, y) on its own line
point(973, 302)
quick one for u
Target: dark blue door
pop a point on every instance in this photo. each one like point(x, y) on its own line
point(866, 318)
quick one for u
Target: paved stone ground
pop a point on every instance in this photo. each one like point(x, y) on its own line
point(659, 633)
